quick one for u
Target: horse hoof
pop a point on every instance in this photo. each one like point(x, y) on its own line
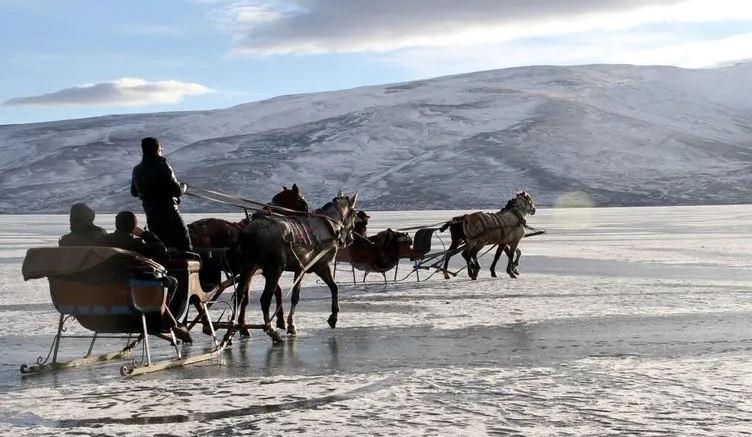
point(291, 330)
point(281, 324)
point(332, 321)
point(276, 338)
point(493, 274)
point(245, 333)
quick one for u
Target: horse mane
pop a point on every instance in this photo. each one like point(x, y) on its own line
point(326, 206)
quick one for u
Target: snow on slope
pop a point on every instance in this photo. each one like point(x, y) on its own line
point(625, 135)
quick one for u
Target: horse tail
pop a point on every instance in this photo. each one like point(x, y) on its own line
point(453, 221)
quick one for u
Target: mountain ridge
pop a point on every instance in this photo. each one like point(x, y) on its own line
point(624, 135)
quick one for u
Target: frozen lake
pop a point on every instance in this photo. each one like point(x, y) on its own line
point(624, 321)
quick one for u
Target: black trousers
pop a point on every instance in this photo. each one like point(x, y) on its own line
point(170, 228)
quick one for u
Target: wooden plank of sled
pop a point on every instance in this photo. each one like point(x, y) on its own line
point(128, 371)
point(77, 362)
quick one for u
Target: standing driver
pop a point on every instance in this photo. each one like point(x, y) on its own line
point(155, 184)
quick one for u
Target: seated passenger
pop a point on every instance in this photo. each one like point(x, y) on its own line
point(361, 226)
point(83, 231)
point(129, 236)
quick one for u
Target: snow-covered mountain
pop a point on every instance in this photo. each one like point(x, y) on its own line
point(622, 134)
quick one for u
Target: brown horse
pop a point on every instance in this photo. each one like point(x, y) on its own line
point(216, 232)
point(506, 227)
point(458, 237)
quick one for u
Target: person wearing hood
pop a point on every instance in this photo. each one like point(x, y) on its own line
point(83, 231)
point(155, 184)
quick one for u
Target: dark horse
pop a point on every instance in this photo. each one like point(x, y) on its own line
point(294, 244)
point(458, 237)
point(219, 233)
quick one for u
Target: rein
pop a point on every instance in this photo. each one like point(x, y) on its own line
point(244, 203)
point(414, 228)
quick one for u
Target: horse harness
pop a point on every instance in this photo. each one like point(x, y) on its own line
point(491, 221)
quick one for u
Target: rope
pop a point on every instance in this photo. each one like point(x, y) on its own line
point(244, 203)
point(238, 201)
point(213, 199)
point(414, 228)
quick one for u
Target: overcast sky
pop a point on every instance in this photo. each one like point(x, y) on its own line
point(78, 58)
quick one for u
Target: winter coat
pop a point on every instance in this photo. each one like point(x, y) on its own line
point(154, 182)
point(148, 244)
point(83, 231)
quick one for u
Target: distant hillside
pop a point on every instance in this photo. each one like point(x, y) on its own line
point(625, 135)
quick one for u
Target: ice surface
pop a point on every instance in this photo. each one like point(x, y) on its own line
point(625, 321)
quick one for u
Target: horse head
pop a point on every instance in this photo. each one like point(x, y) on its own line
point(291, 199)
point(525, 200)
point(343, 210)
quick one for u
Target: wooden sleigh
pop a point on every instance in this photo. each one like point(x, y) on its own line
point(364, 257)
point(115, 293)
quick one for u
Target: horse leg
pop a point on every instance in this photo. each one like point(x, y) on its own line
point(325, 274)
point(516, 262)
point(476, 263)
point(510, 265)
point(271, 283)
point(468, 261)
point(280, 308)
point(471, 263)
point(242, 297)
point(294, 304)
point(455, 243)
point(496, 258)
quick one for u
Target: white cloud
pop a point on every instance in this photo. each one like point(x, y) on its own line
point(325, 26)
point(120, 92)
point(592, 47)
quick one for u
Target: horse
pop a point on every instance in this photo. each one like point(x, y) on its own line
point(458, 237)
point(293, 244)
point(502, 228)
point(216, 232)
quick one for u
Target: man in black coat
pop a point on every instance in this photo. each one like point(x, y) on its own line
point(155, 184)
point(128, 236)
